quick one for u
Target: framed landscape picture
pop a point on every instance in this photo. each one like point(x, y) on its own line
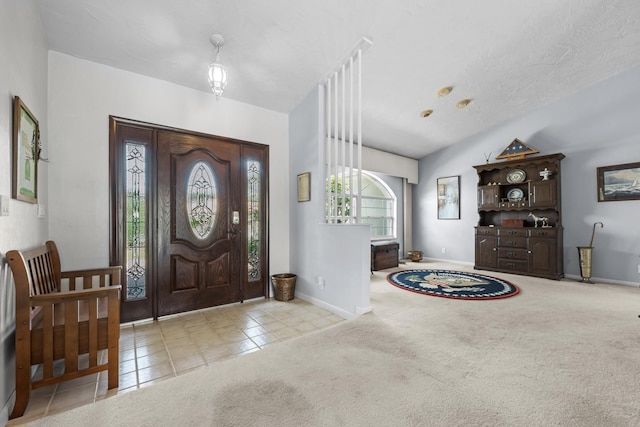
point(26, 143)
point(619, 182)
point(449, 197)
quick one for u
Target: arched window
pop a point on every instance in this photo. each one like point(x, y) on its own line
point(378, 205)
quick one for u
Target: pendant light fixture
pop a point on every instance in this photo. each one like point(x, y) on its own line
point(217, 73)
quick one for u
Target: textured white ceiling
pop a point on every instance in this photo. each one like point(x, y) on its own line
point(508, 56)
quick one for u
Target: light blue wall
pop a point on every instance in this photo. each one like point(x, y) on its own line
point(339, 254)
point(23, 73)
point(598, 126)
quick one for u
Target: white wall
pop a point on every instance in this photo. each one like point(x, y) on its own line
point(597, 126)
point(390, 164)
point(339, 254)
point(23, 66)
point(23, 72)
point(83, 94)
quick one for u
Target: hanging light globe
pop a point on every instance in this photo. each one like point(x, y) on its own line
point(217, 78)
point(217, 72)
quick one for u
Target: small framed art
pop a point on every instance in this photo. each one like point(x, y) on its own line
point(449, 197)
point(304, 187)
point(26, 148)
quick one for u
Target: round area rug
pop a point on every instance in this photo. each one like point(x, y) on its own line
point(452, 284)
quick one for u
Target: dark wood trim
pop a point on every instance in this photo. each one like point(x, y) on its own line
point(157, 127)
point(147, 136)
point(260, 154)
point(115, 181)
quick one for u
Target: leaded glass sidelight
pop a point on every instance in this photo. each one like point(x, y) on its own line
point(253, 223)
point(136, 221)
point(201, 200)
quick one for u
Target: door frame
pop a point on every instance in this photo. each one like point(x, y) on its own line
point(249, 151)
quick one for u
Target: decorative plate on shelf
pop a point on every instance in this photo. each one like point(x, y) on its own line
point(515, 195)
point(516, 176)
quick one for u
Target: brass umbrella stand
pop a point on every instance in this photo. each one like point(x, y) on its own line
point(585, 256)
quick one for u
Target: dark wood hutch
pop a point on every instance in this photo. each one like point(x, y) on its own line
point(510, 194)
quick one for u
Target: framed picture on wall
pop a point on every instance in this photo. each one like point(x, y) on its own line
point(304, 187)
point(26, 148)
point(449, 197)
point(619, 182)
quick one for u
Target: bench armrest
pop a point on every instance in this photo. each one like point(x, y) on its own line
point(88, 277)
point(80, 294)
point(114, 269)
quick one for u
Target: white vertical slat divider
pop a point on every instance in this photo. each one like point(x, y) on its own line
point(336, 129)
point(343, 142)
point(327, 175)
point(343, 108)
point(359, 118)
point(351, 183)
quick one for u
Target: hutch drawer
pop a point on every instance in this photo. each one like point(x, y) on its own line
point(543, 232)
point(512, 232)
point(512, 253)
point(485, 231)
point(514, 265)
point(512, 242)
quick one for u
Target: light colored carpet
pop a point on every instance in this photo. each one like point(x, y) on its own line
point(559, 353)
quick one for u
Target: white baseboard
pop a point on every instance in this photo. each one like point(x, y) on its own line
point(332, 308)
point(597, 280)
point(4, 414)
point(363, 310)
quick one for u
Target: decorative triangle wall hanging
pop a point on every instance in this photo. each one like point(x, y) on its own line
point(516, 150)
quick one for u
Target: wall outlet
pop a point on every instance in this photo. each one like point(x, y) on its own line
point(444, 250)
point(321, 282)
point(638, 268)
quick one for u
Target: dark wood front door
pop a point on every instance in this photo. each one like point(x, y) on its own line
point(198, 242)
point(188, 219)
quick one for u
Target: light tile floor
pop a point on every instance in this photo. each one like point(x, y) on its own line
point(152, 351)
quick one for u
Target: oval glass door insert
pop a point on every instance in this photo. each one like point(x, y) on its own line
point(202, 207)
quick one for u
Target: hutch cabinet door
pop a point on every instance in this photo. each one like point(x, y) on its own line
point(486, 251)
point(488, 196)
point(542, 194)
point(542, 256)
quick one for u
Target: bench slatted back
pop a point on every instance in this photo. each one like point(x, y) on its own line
point(41, 274)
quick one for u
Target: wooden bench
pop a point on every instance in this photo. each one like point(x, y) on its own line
point(53, 323)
